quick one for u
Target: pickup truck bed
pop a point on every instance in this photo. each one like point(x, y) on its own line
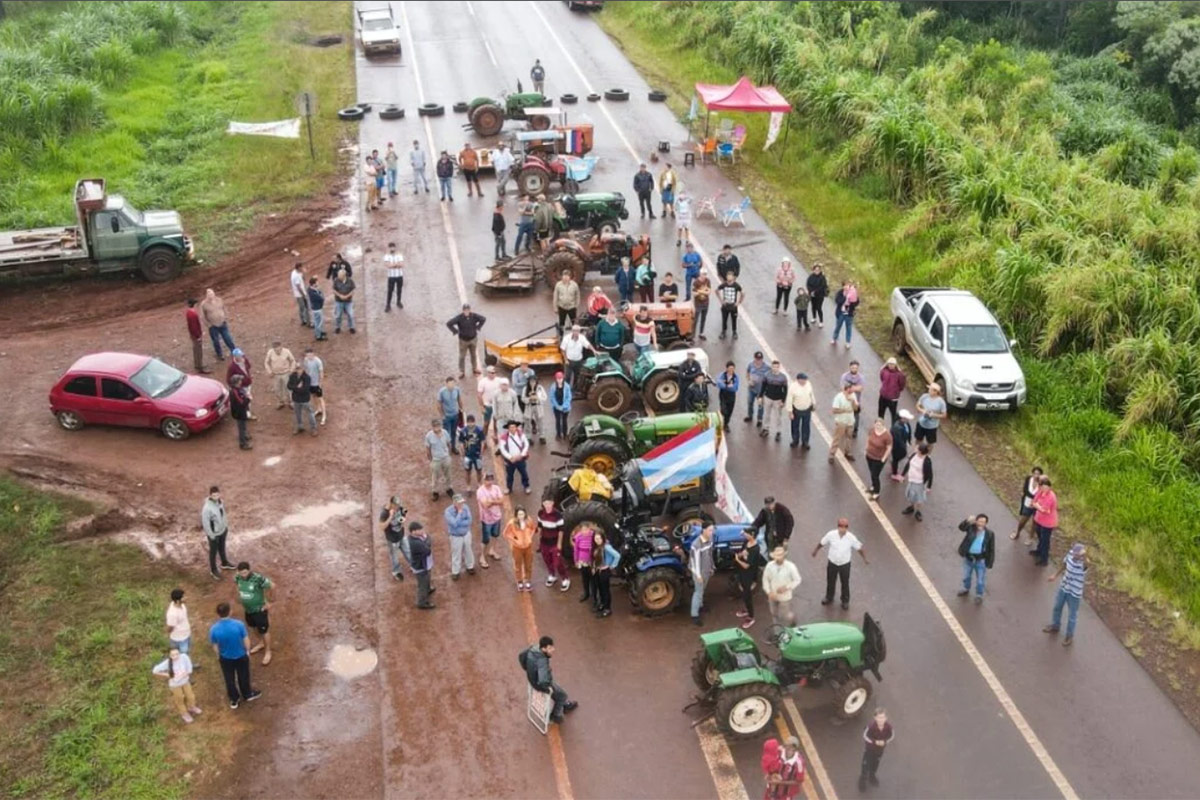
point(39, 245)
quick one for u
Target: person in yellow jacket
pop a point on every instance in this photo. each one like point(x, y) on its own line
point(519, 532)
point(587, 483)
point(667, 183)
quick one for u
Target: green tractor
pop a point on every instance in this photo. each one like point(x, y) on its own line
point(606, 443)
point(487, 115)
point(746, 689)
point(611, 387)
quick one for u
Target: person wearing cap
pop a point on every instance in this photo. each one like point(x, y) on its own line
point(489, 497)
point(875, 738)
point(498, 227)
point(468, 162)
point(643, 187)
point(610, 333)
point(853, 376)
point(279, 363)
point(892, 382)
point(728, 262)
point(727, 389)
point(300, 387)
point(799, 404)
point(566, 299)
point(502, 161)
point(978, 552)
point(879, 447)
point(560, 404)
point(687, 371)
point(458, 527)
point(574, 346)
point(391, 523)
point(391, 159)
point(842, 544)
point(472, 437)
point(845, 404)
point(444, 169)
point(695, 397)
point(691, 269)
point(514, 449)
point(486, 389)
point(525, 209)
point(597, 304)
point(466, 327)
point(1070, 592)
point(240, 365)
point(901, 438)
point(416, 158)
point(421, 562)
point(756, 370)
point(437, 450)
point(774, 388)
point(776, 522)
point(505, 407)
point(394, 263)
point(343, 301)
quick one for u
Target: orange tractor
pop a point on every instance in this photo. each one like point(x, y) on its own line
point(601, 252)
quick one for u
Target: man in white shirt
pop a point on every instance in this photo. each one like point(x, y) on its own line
point(573, 347)
point(485, 390)
point(417, 159)
point(179, 630)
point(514, 449)
point(502, 160)
point(300, 295)
point(842, 544)
point(779, 579)
point(395, 274)
point(799, 404)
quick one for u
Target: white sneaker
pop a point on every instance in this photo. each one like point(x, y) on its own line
point(187, 718)
point(528, 586)
point(566, 584)
point(550, 581)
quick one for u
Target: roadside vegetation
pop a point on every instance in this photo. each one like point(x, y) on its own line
point(942, 144)
point(140, 93)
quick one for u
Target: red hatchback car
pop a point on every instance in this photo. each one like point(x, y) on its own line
point(136, 392)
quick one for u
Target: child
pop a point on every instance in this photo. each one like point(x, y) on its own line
point(535, 409)
point(470, 436)
point(581, 550)
point(801, 302)
point(177, 669)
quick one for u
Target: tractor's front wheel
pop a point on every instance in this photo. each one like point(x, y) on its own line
point(611, 396)
point(656, 591)
point(603, 454)
point(746, 711)
point(851, 696)
point(487, 119)
point(705, 672)
point(662, 393)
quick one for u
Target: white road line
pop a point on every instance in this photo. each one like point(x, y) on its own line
point(491, 55)
point(471, 9)
point(720, 762)
point(810, 747)
point(993, 682)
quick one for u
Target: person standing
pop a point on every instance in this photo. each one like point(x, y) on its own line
point(701, 289)
point(610, 334)
point(196, 334)
point(502, 160)
point(901, 438)
point(701, 566)
point(177, 669)
point(560, 404)
point(231, 643)
point(785, 276)
point(668, 290)
point(490, 500)
point(774, 388)
point(550, 543)
point(574, 346)
point(800, 300)
point(179, 629)
point(842, 544)
point(343, 301)
point(1070, 592)
point(536, 662)
point(316, 303)
point(892, 383)
point(1045, 519)
point(391, 522)
point(875, 738)
point(643, 278)
point(315, 367)
point(486, 389)
point(504, 406)
point(643, 331)
point(392, 159)
point(727, 389)
point(280, 362)
point(845, 303)
point(535, 409)
point(300, 386)
point(239, 411)
point(853, 376)
point(240, 366)
point(582, 541)
point(519, 532)
point(683, 218)
point(625, 282)
point(380, 177)
point(666, 186)
point(525, 209)
point(799, 404)
point(931, 410)
point(468, 162)
point(394, 263)
point(514, 449)
point(417, 159)
point(845, 404)
point(918, 471)
point(728, 262)
point(254, 590)
point(422, 563)
point(216, 529)
point(537, 74)
point(776, 522)
point(691, 263)
point(791, 771)
point(780, 580)
point(444, 169)
point(756, 370)
point(879, 447)
point(643, 187)
point(605, 559)
point(747, 562)
point(1028, 489)
point(466, 327)
point(818, 289)
point(296, 278)
point(216, 318)
point(471, 437)
point(458, 526)
point(978, 551)
point(498, 227)
point(437, 450)
point(371, 178)
point(449, 405)
point(566, 300)
point(730, 294)
point(338, 262)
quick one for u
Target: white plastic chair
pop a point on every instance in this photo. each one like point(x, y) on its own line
point(736, 213)
point(708, 205)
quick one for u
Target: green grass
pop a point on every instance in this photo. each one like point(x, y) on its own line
point(1148, 539)
point(80, 715)
point(161, 137)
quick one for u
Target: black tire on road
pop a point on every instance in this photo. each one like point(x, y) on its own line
point(661, 393)
point(744, 712)
point(160, 264)
point(705, 673)
point(568, 99)
point(365, 107)
point(392, 112)
point(603, 454)
point(174, 429)
point(851, 697)
point(657, 96)
point(351, 114)
point(595, 513)
point(431, 110)
point(656, 592)
point(611, 396)
point(593, 97)
point(565, 260)
point(616, 94)
point(487, 119)
point(461, 106)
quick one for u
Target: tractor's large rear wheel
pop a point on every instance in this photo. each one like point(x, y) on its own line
point(593, 514)
point(746, 711)
point(705, 672)
point(603, 454)
point(533, 181)
point(611, 396)
point(661, 393)
point(487, 119)
point(851, 696)
point(566, 261)
point(656, 591)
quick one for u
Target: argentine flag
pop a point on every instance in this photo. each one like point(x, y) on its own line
point(683, 458)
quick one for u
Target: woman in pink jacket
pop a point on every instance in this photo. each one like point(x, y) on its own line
point(785, 276)
point(581, 551)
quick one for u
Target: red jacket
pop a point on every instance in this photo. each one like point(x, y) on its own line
point(891, 383)
point(193, 323)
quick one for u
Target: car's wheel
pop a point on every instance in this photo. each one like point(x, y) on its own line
point(568, 99)
point(746, 711)
point(607, 225)
point(851, 697)
point(539, 122)
point(616, 94)
point(487, 119)
point(175, 429)
point(705, 672)
point(431, 109)
point(351, 114)
point(461, 107)
point(392, 112)
point(69, 420)
point(661, 393)
point(533, 181)
point(591, 513)
point(657, 96)
point(656, 591)
point(603, 454)
point(160, 264)
point(899, 340)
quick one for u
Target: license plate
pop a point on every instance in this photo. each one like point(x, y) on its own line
point(995, 406)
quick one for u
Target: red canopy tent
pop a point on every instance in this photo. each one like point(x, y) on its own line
point(741, 96)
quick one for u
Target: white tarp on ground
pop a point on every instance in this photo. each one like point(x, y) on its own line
point(284, 128)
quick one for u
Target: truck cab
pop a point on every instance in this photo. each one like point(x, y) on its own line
point(378, 31)
point(118, 234)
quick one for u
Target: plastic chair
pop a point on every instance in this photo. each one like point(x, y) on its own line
point(725, 126)
point(739, 135)
point(706, 149)
point(709, 205)
point(725, 150)
point(736, 213)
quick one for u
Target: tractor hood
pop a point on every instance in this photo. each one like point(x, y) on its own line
point(822, 640)
point(653, 430)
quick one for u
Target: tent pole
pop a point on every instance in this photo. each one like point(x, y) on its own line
point(707, 116)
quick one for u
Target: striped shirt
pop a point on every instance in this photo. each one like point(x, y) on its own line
point(1074, 571)
point(395, 265)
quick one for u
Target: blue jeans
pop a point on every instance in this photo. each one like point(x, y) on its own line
point(1043, 543)
point(524, 234)
point(445, 188)
point(846, 320)
point(490, 531)
point(755, 396)
point(341, 309)
point(395, 551)
point(304, 411)
point(625, 293)
point(184, 646)
point(1072, 603)
point(218, 333)
point(450, 426)
point(318, 317)
point(978, 567)
point(801, 426)
point(391, 180)
point(697, 598)
point(419, 177)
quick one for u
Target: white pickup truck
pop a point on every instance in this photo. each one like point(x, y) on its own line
point(378, 31)
point(956, 342)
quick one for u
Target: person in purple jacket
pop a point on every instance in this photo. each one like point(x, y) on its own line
point(891, 384)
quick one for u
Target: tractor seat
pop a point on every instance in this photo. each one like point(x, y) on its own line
point(741, 660)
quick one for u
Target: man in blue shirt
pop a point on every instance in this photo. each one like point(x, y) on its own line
point(231, 642)
point(978, 551)
point(691, 270)
point(449, 401)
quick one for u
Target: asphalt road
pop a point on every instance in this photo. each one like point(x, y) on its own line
point(985, 705)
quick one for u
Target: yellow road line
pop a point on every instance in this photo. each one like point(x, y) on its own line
point(720, 762)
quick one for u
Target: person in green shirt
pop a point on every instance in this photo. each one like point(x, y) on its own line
point(254, 590)
point(610, 334)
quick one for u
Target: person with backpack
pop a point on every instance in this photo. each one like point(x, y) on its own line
point(538, 75)
point(535, 660)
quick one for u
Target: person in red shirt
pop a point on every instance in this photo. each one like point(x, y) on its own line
point(597, 304)
point(196, 333)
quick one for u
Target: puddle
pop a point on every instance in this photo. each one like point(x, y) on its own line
point(311, 516)
point(349, 217)
point(272, 461)
point(347, 661)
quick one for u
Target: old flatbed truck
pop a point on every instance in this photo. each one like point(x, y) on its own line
point(109, 236)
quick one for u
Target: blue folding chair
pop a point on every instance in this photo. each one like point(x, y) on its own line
point(736, 213)
point(725, 150)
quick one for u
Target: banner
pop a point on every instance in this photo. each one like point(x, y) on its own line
point(773, 128)
point(284, 128)
point(728, 499)
point(694, 110)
